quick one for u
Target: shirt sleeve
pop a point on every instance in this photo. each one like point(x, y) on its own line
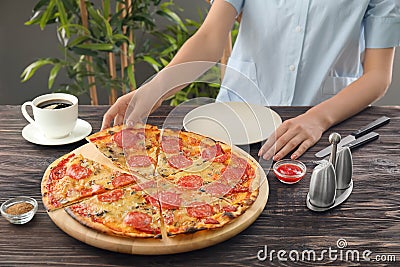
point(382, 24)
point(237, 4)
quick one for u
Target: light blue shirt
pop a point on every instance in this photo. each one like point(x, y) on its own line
point(302, 52)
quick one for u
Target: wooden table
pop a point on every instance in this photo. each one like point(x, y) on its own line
point(368, 220)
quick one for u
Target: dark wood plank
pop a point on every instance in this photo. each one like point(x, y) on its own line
point(368, 220)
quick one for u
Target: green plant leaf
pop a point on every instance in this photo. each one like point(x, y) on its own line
point(78, 40)
point(76, 28)
point(96, 47)
point(156, 66)
point(53, 74)
point(32, 68)
point(35, 19)
point(101, 21)
point(107, 25)
point(40, 4)
point(164, 62)
point(47, 14)
point(131, 48)
point(166, 12)
point(62, 14)
point(106, 8)
point(119, 37)
point(131, 76)
point(94, 14)
point(82, 51)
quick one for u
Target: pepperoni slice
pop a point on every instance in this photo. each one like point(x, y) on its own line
point(78, 172)
point(139, 161)
point(98, 138)
point(238, 162)
point(111, 196)
point(190, 181)
point(232, 174)
point(217, 189)
point(129, 139)
point(123, 179)
point(179, 161)
point(239, 189)
point(171, 144)
point(94, 189)
point(58, 172)
point(138, 220)
point(170, 200)
point(81, 209)
point(210, 221)
point(199, 210)
point(152, 201)
point(211, 152)
point(229, 208)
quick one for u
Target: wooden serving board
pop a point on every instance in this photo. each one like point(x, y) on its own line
point(168, 245)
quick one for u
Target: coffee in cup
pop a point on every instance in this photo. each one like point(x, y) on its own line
point(55, 115)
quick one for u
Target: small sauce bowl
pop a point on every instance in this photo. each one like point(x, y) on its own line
point(289, 171)
point(19, 210)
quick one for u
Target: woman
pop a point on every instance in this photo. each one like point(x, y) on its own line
point(334, 55)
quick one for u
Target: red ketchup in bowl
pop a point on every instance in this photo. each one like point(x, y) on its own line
point(289, 171)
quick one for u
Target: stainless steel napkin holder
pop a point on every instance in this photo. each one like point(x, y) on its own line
point(331, 181)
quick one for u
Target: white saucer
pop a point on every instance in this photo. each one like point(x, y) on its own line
point(237, 123)
point(33, 135)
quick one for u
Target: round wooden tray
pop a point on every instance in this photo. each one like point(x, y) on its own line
point(167, 245)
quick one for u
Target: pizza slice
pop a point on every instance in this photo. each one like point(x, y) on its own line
point(186, 212)
point(215, 177)
point(75, 177)
point(187, 151)
point(127, 212)
point(132, 149)
point(238, 184)
point(209, 198)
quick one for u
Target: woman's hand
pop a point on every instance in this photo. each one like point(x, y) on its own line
point(301, 132)
point(116, 112)
point(132, 107)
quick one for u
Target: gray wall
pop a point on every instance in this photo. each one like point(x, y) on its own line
point(20, 45)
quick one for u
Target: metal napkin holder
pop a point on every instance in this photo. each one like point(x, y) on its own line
point(331, 181)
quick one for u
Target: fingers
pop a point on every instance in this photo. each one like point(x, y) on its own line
point(302, 149)
point(290, 135)
point(108, 117)
point(269, 147)
point(119, 119)
point(286, 144)
point(117, 111)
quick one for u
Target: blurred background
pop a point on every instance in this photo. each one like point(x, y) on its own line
point(20, 45)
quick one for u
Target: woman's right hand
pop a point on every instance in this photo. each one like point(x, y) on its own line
point(116, 113)
point(132, 107)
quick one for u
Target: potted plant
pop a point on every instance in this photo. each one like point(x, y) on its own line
point(98, 42)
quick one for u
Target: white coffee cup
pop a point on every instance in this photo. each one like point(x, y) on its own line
point(53, 123)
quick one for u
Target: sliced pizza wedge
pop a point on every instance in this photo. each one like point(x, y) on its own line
point(74, 177)
point(127, 212)
point(132, 149)
point(188, 211)
point(187, 151)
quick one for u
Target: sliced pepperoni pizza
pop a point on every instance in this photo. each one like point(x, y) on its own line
point(132, 149)
point(186, 211)
point(125, 212)
point(162, 179)
point(186, 151)
point(74, 177)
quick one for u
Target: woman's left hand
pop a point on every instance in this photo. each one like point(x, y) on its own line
point(301, 132)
